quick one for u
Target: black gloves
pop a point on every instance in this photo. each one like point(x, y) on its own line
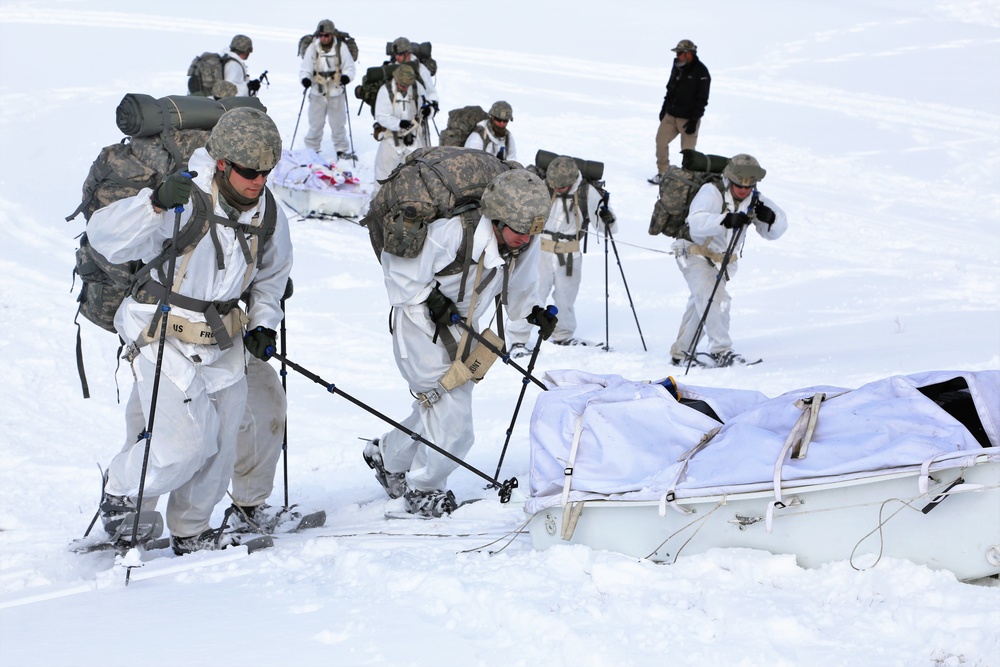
point(607, 217)
point(425, 110)
point(691, 126)
point(408, 140)
point(260, 342)
point(441, 308)
point(544, 320)
point(175, 190)
point(735, 220)
point(253, 85)
point(344, 79)
point(306, 82)
point(764, 213)
point(405, 124)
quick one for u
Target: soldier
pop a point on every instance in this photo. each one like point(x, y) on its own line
point(717, 213)
point(244, 244)
point(235, 69)
point(397, 120)
point(683, 105)
point(327, 67)
point(426, 342)
point(492, 135)
point(574, 201)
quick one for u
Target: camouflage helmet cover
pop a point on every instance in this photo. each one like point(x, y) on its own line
point(404, 75)
point(246, 136)
point(241, 44)
point(325, 27)
point(401, 45)
point(562, 172)
point(685, 45)
point(502, 110)
point(224, 89)
point(518, 199)
point(744, 170)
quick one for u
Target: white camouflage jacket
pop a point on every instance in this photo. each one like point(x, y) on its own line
point(316, 60)
point(131, 229)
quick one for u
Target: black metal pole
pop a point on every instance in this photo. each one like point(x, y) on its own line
point(284, 388)
point(304, 91)
point(614, 247)
point(504, 357)
point(517, 408)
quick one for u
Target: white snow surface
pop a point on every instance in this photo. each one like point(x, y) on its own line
point(879, 125)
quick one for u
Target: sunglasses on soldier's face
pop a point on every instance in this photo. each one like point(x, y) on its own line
point(247, 172)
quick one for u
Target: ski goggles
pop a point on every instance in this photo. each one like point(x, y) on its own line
point(247, 172)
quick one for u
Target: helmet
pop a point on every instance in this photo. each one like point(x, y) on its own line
point(401, 45)
point(685, 45)
point(222, 89)
point(325, 27)
point(744, 170)
point(502, 111)
point(404, 75)
point(562, 172)
point(246, 136)
point(517, 199)
point(241, 44)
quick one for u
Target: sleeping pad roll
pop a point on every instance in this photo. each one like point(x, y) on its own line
point(141, 115)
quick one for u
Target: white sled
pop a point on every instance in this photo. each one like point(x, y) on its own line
point(314, 188)
point(907, 467)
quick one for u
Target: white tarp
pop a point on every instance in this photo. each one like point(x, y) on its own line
point(632, 435)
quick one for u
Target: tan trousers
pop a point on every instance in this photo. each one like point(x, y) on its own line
point(669, 128)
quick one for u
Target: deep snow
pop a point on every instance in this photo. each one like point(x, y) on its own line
point(878, 123)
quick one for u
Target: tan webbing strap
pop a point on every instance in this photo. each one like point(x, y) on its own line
point(703, 251)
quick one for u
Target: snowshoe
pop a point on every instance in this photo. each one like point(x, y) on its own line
point(519, 350)
point(212, 539)
point(430, 504)
point(573, 342)
point(266, 520)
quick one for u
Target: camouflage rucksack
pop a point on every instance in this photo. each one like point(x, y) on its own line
point(422, 50)
point(461, 123)
point(205, 71)
point(678, 187)
point(433, 183)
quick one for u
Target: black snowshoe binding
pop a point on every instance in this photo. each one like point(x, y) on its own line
point(394, 483)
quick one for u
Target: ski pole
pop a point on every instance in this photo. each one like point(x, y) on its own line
point(304, 91)
point(505, 488)
point(607, 295)
point(718, 280)
point(164, 316)
point(350, 132)
point(284, 388)
point(520, 398)
point(625, 282)
point(504, 357)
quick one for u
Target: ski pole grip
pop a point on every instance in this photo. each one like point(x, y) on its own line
point(551, 310)
point(189, 174)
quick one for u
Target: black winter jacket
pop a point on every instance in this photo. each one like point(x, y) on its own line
point(687, 91)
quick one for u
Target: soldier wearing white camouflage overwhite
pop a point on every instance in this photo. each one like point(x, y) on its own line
point(241, 243)
point(327, 67)
point(718, 212)
point(574, 203)
point(426, 341)
point(492, 134)
point(397, 120)
point(235, 69)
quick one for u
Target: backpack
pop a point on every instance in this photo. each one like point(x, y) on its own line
point(422, 50)
point(350, 42)
point(374, 78)
point(461, 123)
point(205, 71)
point(432, 183)
point(678, 187)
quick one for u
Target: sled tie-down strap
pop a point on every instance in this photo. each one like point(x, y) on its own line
point(670, 498)
point(797, 443)
point(571, 511)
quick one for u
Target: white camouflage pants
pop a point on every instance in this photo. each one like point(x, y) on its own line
point(701, 275)
point(324, 110)
point(258, 442)
point(447, 423)
point(192, 449)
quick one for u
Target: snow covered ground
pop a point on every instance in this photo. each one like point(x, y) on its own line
point(878, 124)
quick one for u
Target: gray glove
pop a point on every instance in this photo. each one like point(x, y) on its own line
point(175, 191)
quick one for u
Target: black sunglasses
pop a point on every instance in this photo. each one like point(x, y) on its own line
point(247, 172)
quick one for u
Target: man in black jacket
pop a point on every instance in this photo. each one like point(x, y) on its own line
point(683, 105)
